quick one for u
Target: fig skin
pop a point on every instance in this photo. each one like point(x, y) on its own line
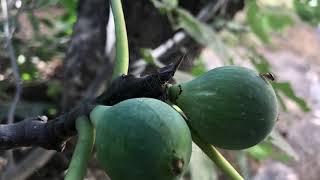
point(143, 139)
point(230, 107)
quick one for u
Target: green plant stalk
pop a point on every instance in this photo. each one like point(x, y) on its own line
point(81, 154)
point(122, 50)
point(208, 149)
point(216, 157)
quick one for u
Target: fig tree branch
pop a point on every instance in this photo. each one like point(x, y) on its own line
point(54, 133)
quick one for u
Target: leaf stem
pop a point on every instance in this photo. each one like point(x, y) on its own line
point(122, 50)
point(81, 154)
point(216, 157)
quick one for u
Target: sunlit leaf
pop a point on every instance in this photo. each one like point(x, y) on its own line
point(26, 77)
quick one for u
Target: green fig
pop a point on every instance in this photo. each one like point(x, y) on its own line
point(143, 139)
point(230, 107)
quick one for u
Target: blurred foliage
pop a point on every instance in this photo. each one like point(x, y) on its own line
point(202, 33)
point(199, 67)
point(27, 109)
point(147, 56)
point(308, 10)
point(263, 20)
point(49, 34)
point(265, 151)
point(199, 31)
point(54, 89)
point(40, 34)
point(275, 147)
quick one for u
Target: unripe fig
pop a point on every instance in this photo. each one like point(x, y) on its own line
point(230, 107)
point(143, 139)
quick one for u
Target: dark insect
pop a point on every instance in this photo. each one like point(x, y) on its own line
point(268, 76)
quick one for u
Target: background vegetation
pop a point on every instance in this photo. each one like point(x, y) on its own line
point(56, 53)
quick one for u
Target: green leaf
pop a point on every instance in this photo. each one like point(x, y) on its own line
point(281, 101)
point(266, 150)
point(236, 27)
point(256, 21)
point(201, 32)
point(261, 151)
point(262, 20)
point(260, 63)
point(278, 22)
point(287, 90)
point(307, 11)
point(199, 67)
point(277, 140)
point(69, 5)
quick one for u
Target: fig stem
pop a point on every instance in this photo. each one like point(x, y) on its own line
point(122, 50)
point(173, 92)
point(78, 165)
point(216, 157)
